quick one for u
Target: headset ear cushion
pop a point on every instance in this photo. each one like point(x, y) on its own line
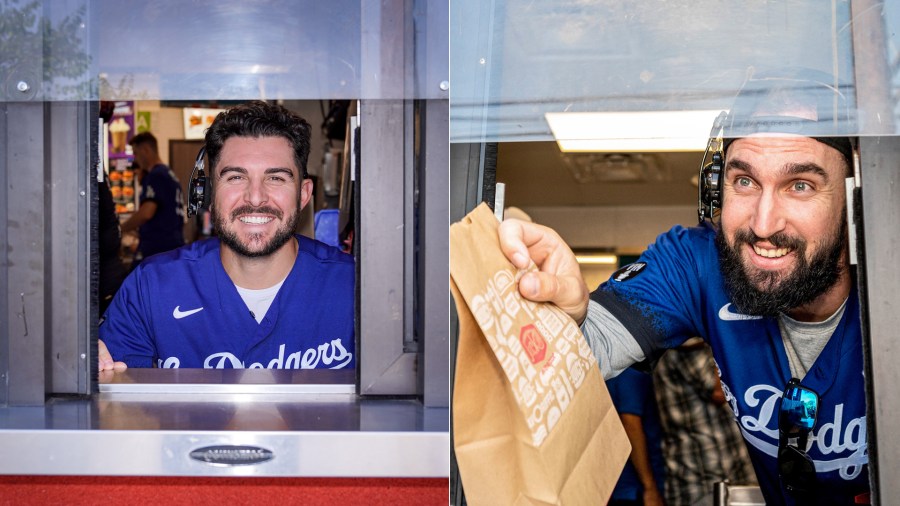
point(196, 194)
point(200, 187)
point(207, 192)
point(711, 186)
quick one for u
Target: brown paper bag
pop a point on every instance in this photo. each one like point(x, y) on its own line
point(533, 422)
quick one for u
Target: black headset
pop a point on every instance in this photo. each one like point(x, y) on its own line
point(709, 185)
point(200, 191)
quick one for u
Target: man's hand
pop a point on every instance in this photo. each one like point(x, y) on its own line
point(105, 361)
point(653, 497)
point(558, 279)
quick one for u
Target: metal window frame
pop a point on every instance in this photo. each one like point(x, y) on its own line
point(878, 240)
point(403, 304)
point(402, 233)
point(43, 187)
point(47, 272)
point(879, 281)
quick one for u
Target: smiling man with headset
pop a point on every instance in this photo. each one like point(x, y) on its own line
point(766, 281)
point(256, 296)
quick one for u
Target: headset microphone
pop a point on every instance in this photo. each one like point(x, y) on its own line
point(200, 188)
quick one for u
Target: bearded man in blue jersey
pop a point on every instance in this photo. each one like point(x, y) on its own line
point(767, 283)
point(256, 296)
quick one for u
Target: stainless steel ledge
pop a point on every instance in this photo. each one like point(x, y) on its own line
point(167, 453)
point(312, 428)
point(200, 388)
point(229, 382)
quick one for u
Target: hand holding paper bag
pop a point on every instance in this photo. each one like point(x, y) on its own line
point(558, 278)
point(533, 422)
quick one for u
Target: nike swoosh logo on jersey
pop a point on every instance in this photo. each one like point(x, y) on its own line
point(726, 315)
point(178, 314)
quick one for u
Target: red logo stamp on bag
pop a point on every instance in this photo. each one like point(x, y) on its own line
point(534, 343)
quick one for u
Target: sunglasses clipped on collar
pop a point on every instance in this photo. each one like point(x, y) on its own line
point(796, 419)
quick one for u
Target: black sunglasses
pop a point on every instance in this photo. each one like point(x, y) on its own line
point(796, 419)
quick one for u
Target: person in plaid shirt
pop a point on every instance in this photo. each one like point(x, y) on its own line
point(701, 443)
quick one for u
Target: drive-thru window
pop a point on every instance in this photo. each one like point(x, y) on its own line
point(567, 104)
point(372, 80)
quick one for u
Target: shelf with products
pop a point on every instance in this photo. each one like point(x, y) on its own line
point(123, 184)
point(123, 179)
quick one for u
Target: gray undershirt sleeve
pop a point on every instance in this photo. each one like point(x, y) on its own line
point(612, 344)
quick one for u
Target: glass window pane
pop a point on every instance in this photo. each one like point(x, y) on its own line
point(221, 50)
point(520, 60)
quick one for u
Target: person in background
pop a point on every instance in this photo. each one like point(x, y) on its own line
point(642, 479)
point(257, 295)
point(701, 443)
point(160, 218)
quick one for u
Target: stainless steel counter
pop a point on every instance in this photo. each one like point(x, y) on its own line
point(234, 422)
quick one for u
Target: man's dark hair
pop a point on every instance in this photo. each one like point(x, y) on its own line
point(259, 119)
point(145, 138)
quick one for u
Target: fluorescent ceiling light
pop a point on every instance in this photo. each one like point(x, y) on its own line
point(596, 259)
point(628, 132)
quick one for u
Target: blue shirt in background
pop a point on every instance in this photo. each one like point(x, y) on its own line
point(632, 393)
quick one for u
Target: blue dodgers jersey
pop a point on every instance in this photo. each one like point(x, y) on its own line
point(180, 309)
point(675, 291)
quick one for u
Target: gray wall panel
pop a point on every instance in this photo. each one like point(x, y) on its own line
point(26, 229)
point(880, 191)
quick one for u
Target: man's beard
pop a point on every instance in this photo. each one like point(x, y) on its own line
point(768, 293)
point(282, 235)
